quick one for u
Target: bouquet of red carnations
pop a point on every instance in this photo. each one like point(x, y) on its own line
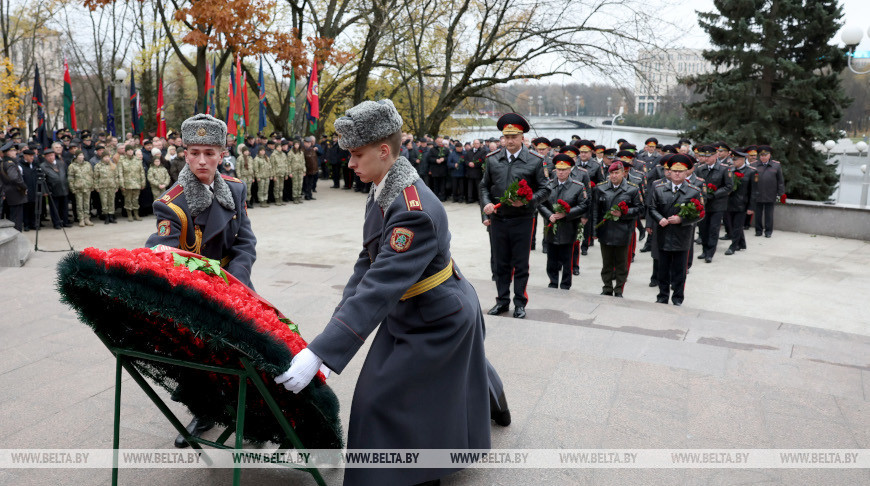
point(517, 191)
point(621, 207)
point(561, 207)
point(782, 199)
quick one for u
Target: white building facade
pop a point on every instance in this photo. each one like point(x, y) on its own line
point(659, 72)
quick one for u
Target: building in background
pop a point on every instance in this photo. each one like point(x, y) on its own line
point(659, 71)
point(44, 47)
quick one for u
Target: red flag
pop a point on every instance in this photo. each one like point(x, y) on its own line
point(161, 111)
point(313, 94)
point(207, 90)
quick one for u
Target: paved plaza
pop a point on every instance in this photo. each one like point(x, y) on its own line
point(771, 350)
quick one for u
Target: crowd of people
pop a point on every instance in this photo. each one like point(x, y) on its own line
point(577, 188)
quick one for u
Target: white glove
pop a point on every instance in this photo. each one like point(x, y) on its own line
point(326, 371)
point(302, 369)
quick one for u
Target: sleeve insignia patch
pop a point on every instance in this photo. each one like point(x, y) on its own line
point(401, 239)
point(164, 227)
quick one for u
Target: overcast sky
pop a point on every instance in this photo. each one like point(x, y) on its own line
point(857, 12)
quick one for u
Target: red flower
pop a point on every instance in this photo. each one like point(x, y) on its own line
point(564, 205)
point(525, 191)
point(739, 175)
point(623, 207)
point(591, 184)
point(711, 187)
point(782, 199)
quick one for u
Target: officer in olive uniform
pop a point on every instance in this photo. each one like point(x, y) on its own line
point(512, 223)
point(132, 175)
point(615, 235)
point(204, 212)
point(717, 187)
point(741, 201)
point(673, 233)
point(560, 228)
point(771, 185)
point(281, 173)
point(424, 381)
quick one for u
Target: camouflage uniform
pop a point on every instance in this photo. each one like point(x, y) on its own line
point(132, 176)
point(245, 171)
point(107, 181)
point(157, 176)
point(297, 172)
point(280, 171)
point(262, 172)
point(81, 182)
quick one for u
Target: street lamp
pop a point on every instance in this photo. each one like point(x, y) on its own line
point(865, 184)
point(852, 36)
point(566, 106)
point(608, 105)
point(540, 104)
point(578, 105)
point(120, 76)
point(613, 121)
point(829, 147)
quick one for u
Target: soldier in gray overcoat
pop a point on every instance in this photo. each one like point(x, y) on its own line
point(424, 381)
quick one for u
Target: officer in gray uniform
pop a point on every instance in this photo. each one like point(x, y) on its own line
point(205, 213)
point(424, 381)
point(717, 187)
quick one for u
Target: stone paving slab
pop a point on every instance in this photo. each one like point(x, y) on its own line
point(583, 371)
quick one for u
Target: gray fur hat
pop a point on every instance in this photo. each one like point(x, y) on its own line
point(367, 122)
point(204, 130)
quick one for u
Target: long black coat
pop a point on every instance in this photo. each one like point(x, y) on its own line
point(55, 178)
point(423, 384)
point(437, 169)
point(499, 174)
point(718, 175)
point(604, 197)
point(475, 158)
point(30, 179)
point(574, 193)
point(771, 183)
point(744, 194)
point(665, 203)
point(12, 182)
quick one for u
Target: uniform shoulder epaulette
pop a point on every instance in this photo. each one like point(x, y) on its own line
point(578, 182)
point(230, 178)
point(171, 194)
point(493, 152)
point(693, 186)
point(661, 181)
point(631, 183)
point(536, 154)
point(412, 199)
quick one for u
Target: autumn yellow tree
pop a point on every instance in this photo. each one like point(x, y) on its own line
point(11, 95)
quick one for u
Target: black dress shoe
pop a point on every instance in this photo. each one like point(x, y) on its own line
point(576, 271)
point(553, 286)
point(729, 251)
point(661, 301)
point(618, 295)
point(701, 257)
point(653, 284)
point(583, 252)
point(677, 303)
point(767, 235)
point(498, 309)
point(565, 287)
point(758, 233)
point(698, 241)
point(726, 237)
point(520, 312)
point(195, 428)
point(708, 259)
point(604, 292)
point(58, 226)
point(645, 249)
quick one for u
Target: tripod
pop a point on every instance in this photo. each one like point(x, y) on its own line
point(41, 194)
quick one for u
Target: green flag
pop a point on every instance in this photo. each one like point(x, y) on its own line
point(291, 92)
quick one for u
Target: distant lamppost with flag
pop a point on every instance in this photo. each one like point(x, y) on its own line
point(120, 77)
